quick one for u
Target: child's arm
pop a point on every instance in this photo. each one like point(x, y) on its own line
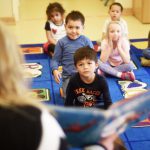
point(57, 76)
point(56, 61)
point(50, 38)
point(48, 31)
point(106, 50)
point(123, 48)
point(106, 93)
point(103, 36)
point(69, 94)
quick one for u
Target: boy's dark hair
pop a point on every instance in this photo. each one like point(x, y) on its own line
point(52, 7)
point(85, 52)
point(118, 4)
point(75, 15)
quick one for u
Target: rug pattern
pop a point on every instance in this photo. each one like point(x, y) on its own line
point(134, 138)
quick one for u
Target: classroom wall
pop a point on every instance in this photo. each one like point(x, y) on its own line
point(9, 10)
point(141, 10)
point(5, 8)
point(15, 5)
point(125, 3)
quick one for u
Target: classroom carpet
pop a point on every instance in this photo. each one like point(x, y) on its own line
point(135, 138)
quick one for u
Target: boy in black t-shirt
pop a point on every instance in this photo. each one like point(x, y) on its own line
point(86, 88)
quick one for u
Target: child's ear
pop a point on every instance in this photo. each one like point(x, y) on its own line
point(76, 68)
point(63, 16)
point(65, 27)
point(96, 64)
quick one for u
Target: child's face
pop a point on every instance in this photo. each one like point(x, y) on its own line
point(56, 18)
point(86, 68)
point(115, 12)
point(114, 32)
point(74, 29)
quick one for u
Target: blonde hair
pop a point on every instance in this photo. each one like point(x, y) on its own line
point(113, 22)
point(13, 90)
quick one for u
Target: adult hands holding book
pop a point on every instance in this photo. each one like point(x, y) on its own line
point(93, 126)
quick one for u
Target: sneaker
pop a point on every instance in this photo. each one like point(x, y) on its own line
point(128, 76)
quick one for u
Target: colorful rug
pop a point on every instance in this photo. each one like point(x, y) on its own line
point(41, 94)
point(134, 138)
point(138, 137)
point(32, 50)
point(32, 70)
point(143, 123)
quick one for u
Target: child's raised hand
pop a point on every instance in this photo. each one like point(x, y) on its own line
point(57, 76)
point(119, 43)
point(110, 48)
point(108, 142)
point(110, 43)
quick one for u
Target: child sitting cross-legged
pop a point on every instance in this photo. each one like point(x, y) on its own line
point(115, 56)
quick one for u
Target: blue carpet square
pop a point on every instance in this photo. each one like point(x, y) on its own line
point(45, 84)
point(140, 145)
point(46, 74)
point(134, 138)
point(138, 134)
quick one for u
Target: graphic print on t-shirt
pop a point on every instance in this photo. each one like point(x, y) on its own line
point(87, 97)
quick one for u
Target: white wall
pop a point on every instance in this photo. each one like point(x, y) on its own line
point(5, 8)
point(125, 3)
point(9, 9)
point(15, 6)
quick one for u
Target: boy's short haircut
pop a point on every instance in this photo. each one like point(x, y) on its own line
point(85, 52)
point(118, 4)
point(75, 15)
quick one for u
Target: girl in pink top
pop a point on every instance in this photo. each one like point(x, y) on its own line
point(115, 53)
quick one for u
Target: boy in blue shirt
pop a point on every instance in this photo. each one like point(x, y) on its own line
point(66, 47)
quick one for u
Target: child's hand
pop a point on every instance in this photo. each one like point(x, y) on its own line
point(110, 48)
point(108, 142)
point(119, 44)
point(57, 76)
point(110, 42)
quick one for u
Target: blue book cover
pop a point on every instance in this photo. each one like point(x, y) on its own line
point(84, 126)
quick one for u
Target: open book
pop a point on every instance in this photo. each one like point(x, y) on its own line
point(88, 125)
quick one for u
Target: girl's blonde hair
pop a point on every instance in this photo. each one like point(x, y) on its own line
point(113, 22)
point(13, 90)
